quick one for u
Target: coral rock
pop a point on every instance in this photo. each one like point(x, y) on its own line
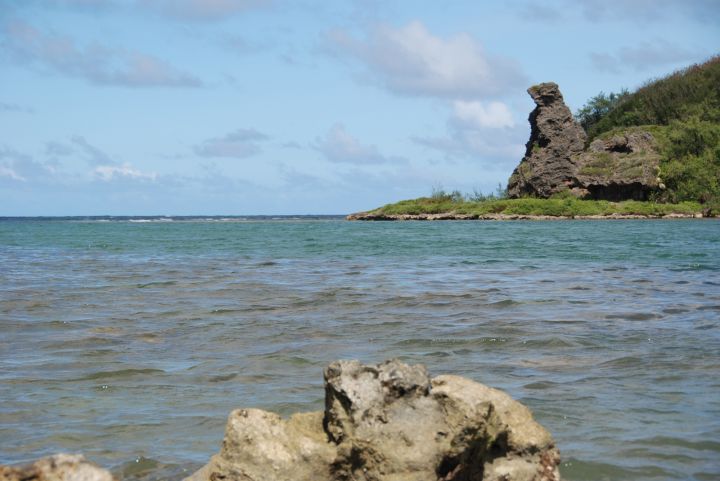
point(548, 166)
point(60, 467)
point(389, 422)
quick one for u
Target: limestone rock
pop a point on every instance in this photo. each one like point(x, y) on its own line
point(389, 422)
point(60, 467)
point(385, 422)
point(261, 446)
point(548, 166)
point(624, 166)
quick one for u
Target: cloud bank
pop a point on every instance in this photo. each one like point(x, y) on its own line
point(239, 144)
point(96, 63)
point(338, 146)
point(410, 60)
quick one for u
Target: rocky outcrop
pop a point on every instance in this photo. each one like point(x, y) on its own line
point(548, 166)
point(389, 422)
point(624, 166)
point(61, 467)
point(452, 216)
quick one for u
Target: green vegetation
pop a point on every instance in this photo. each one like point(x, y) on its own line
point(634, 165)
point(561, 205)
point(693, 92)
point(598, 107)
point(682, 111)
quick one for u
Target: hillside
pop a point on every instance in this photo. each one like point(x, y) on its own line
point(653, 152)
point(682, 113)
point(690, 93)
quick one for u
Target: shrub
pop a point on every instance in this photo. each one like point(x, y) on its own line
point(693, 91)
point(598, 107)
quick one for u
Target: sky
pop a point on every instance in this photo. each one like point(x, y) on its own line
point(240, 107)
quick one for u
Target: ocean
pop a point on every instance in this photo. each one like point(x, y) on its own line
point(131, 339)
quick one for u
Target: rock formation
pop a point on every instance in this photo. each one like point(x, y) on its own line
point(624, 166)
point(389, 422)
point(61, 467)
point(548, 166)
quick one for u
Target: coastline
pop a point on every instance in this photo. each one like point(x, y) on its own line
point(369, 216)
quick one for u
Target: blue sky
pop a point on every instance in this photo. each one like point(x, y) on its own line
point(139, 107)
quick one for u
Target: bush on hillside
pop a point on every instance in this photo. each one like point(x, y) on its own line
point(690, 92)
point(691, 161)
point(682, 111)
point(598, 107)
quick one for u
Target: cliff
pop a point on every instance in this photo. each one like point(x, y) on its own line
point(653, 153)
point(660, 143)
point(548, 166)
point(622, 167)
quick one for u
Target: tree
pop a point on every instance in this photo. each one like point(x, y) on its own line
point(599, 106)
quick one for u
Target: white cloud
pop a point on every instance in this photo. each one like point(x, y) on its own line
point(22, 167)
point(95, 63)
point(488, 148)
point(8, 172)
point(477, 115)
point(478, 130)
point(411, 60)
point(239, 144)
point(124, 171)
point(340, 147)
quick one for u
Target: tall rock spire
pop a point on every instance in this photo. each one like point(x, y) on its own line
point(555, 137)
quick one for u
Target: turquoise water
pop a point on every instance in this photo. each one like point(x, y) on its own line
point(132, 341)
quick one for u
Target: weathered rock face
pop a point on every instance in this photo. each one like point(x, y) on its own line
point(548, 166)
point(259, 445)
point(61, 467)
point(624, 166)
point(389, 422)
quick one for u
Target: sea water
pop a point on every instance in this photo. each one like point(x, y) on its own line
point(130, 340)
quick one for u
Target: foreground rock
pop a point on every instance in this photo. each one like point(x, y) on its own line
point(548, 166)
point(61, 467)
point(389, 422)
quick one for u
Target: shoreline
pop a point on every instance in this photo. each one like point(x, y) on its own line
point(368, 216)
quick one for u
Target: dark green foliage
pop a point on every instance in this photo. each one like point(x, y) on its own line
point(691, 161)
point(598, 107)
point(682, 111)
point(559, 205)
point(691, 92)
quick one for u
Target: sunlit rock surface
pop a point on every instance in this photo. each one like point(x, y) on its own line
point(389, 422)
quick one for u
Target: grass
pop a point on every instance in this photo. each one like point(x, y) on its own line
point(560, 207)
point(682, 112)
point(629, 166)
point(692, 92)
